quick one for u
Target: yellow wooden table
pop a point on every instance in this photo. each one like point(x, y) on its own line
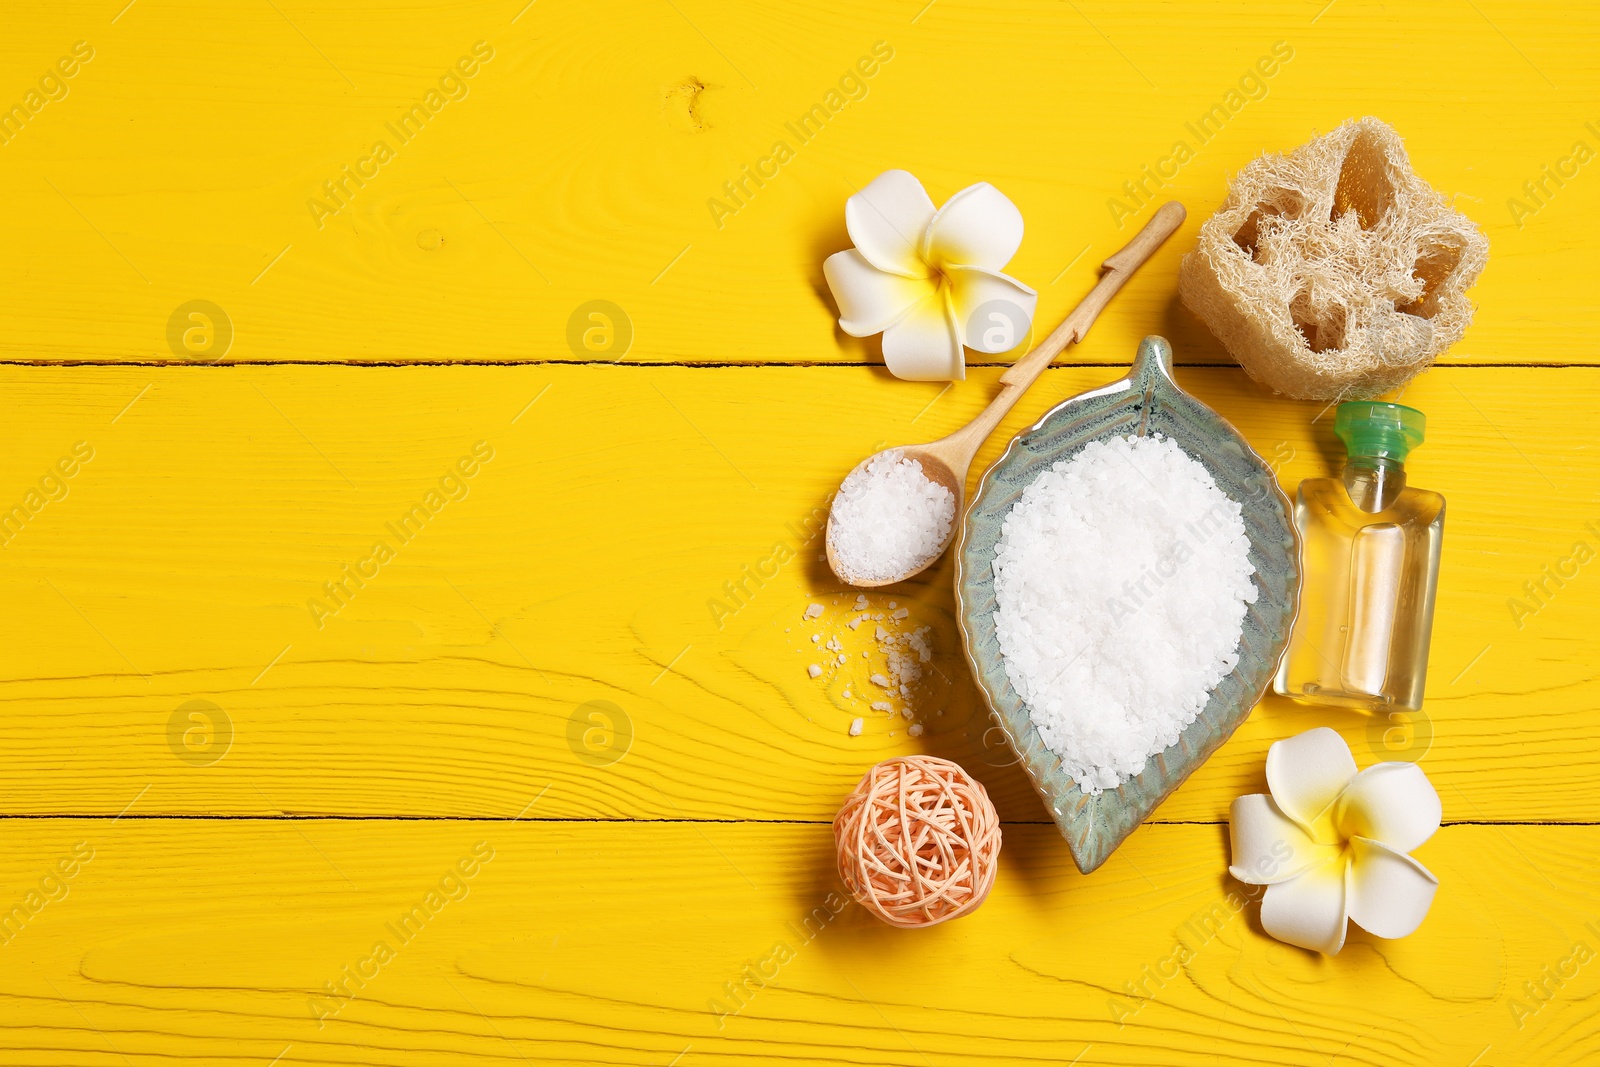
point(546, 778)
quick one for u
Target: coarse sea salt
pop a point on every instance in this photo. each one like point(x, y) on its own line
point(888, 517)
point(1122, 578)
point(906, 649)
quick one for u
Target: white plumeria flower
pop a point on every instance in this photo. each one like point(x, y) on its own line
point(928, 280)
point(1331, 845)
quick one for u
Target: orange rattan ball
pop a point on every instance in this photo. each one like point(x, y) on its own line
point(918, 841)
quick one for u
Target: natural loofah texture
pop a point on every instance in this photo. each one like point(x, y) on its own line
point(1334, 272)
point(918, 841)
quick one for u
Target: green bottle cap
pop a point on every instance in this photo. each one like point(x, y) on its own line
point(1377, 429)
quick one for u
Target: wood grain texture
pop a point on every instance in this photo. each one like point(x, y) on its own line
point(555, 951)
point(592, 559)
point(588, 653)
point(581, 162)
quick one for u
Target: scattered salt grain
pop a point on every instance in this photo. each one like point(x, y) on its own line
point(915, 730)
point(814, 670)
point(855, 727)
point(813, 610)
point(815, 638)
point(880, 680)
point(1122, 578)
point(902, 613)
point(888, 517)
point(882, 705)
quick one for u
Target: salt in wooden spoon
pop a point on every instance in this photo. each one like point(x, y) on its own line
point(946, 460)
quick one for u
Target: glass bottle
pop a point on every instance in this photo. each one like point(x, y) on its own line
point(1369, 568)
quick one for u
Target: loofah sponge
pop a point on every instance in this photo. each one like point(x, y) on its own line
point(1335, 272)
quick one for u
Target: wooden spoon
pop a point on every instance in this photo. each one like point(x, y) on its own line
point(946, 460)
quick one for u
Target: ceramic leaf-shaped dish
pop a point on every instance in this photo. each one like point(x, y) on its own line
point(1147, 401)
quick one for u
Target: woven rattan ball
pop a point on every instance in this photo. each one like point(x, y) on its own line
point(918, 841)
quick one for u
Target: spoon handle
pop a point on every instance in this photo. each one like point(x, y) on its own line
point(958, 449)
point(1119, 267)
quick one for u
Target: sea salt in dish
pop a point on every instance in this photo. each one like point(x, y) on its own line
point(1122, 578)
point(888, 517)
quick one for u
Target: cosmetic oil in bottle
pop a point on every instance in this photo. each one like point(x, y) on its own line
point(1369, 569)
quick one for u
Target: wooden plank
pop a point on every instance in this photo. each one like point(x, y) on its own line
point(582, 162)
point(592, 558)
point(622, 943)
